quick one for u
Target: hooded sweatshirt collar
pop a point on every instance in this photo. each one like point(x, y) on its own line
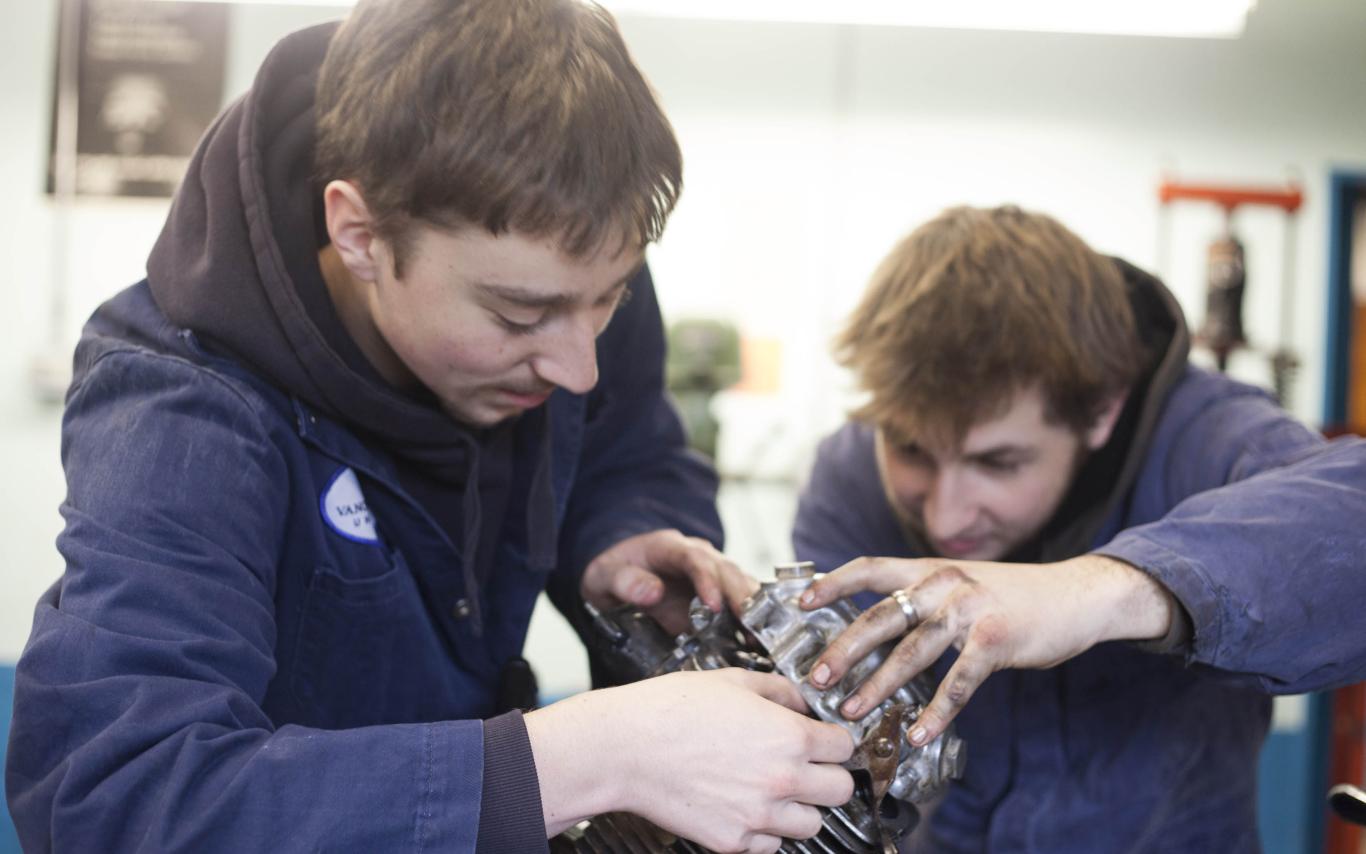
point(1107, 477)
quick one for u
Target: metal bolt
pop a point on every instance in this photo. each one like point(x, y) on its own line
point(789, 571)
point(952, 759)
point(883, 748)
point(700, 616)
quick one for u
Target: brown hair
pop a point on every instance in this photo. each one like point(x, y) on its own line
point(509, 114)
point(979, 304)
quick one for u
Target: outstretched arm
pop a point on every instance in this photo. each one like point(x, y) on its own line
point(1271, 570)
point(998, 615)
point(1256, 568)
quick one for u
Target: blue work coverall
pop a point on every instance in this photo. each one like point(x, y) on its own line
point(1257, 526)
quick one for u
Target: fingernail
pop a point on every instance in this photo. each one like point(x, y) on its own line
point(820, 675)
point(852, 706)
point(917, 736)
point(643, 589)
point(808, 597)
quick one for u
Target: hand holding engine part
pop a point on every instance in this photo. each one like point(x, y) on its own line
point(998, 615)
point(726, 758)
point(660, 572)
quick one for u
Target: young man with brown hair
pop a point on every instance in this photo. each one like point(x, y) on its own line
point(1042, 476)
point(382, 386)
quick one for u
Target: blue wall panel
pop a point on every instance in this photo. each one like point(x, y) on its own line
point(9, 842)
point(1291, 784)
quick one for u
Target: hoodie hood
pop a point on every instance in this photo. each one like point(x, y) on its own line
point(1107, 477)
point(237, 262)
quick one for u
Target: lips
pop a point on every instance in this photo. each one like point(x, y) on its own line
point(958, 547)
point(524, 399)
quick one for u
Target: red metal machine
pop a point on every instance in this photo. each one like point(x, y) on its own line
point(1222, 329)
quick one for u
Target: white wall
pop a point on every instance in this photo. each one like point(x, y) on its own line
point(809, 149)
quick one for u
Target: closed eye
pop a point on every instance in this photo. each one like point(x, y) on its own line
point(911, 452)
point(519, 328)
point(1001, 465)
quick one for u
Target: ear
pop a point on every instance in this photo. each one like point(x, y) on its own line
point(351, 229)
point(1099, 432)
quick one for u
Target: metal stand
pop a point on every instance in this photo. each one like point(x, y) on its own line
point(1222, 330)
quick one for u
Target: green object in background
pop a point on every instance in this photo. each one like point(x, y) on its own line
point(704, 358)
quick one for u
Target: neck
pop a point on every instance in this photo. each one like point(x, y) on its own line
point(350, 298)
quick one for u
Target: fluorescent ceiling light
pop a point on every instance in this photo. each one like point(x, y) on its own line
point(1174, 18)
point(1171, 18)
point(335, 4)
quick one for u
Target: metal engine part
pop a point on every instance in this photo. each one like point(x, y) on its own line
point(775, 634)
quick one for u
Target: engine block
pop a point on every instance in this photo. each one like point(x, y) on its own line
point(773, 633)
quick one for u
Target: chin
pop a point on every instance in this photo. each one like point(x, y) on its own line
point(478, 417)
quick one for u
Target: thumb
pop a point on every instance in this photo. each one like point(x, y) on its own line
point(635, 586)
point(771, 686)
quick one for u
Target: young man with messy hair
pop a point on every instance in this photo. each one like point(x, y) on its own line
point(382, 386)
point(1131, 548)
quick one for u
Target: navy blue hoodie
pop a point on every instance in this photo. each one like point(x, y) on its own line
point(291, 589)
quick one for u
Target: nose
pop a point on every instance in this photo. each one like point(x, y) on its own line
point(570, 358)
point(949, 507)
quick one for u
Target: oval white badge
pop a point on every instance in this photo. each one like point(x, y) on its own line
point(344, 508)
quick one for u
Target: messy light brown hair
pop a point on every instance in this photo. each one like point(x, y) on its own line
point(978, 305)
point(506, 114)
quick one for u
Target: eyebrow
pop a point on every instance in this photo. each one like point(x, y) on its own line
point(524, 297)
point(1021, 451)
point(535, 299)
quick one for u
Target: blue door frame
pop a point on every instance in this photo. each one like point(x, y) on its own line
point(1344, 190)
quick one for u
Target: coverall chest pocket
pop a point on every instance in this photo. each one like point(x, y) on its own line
point(366, 652)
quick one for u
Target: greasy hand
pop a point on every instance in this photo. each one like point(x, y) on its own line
point(661, 571)
point(733, 763)
point(998, 615)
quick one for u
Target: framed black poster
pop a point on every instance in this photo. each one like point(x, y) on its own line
point(138, 81)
